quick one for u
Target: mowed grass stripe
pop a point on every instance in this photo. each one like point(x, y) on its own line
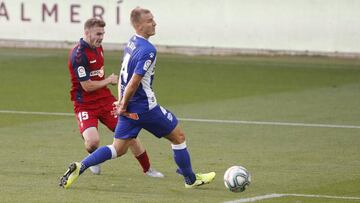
point(209, 120)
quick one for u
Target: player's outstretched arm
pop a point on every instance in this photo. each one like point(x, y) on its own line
point(92, 85)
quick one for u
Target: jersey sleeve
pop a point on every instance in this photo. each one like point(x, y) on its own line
point(80, 65)
point(146, 59)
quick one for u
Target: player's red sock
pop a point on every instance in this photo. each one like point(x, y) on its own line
point(144, 161)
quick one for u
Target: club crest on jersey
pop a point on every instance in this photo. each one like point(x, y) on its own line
point(147, 65)
point(81, 71)
point(99, 72)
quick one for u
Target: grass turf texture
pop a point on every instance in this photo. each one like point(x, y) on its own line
point(36, 149)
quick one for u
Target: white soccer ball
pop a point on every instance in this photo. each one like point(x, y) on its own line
point(237, 178)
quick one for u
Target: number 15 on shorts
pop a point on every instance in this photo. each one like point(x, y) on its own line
point(83, 116)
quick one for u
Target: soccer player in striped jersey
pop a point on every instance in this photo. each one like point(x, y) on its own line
point(92, 99)
point(138, 108)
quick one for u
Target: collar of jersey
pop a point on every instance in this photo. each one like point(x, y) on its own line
point(85, 44)
point(140, 36)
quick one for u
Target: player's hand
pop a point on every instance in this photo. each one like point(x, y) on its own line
point(113, 79)
point(115, 105)
point(118, 109)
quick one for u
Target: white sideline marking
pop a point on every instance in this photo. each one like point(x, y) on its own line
point(271, 196)
point(209, 120)
point(272, 123)
point(37, 113)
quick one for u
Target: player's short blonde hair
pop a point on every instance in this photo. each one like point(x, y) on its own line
point(136, 13)
point(94, 22)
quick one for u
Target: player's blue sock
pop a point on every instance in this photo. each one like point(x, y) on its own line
point(178, 171)
point(100, 155)
point(182, 159)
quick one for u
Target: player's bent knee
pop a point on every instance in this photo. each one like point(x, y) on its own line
point(176, 137)
point(91, 148)
point(120, 151)
point(181, 138)
point(91, 139)
point(120, 147)
point(92, 145)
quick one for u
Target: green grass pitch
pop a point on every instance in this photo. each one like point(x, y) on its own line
point(283, 159)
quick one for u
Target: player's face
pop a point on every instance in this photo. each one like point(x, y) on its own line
point(147, 24)
point(95, 35)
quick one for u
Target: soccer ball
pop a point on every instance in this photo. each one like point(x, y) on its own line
point(237, 178)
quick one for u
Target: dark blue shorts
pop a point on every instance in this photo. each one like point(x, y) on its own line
point(158, 121)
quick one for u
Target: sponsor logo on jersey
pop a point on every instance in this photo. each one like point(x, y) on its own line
point(93, 61)
point(99, 72)
point(152, 55)
point(81, 71)
point(147, 65)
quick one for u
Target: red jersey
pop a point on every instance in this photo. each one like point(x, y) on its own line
point(86, 63)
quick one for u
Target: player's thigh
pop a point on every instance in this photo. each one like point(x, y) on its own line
point(91, 136)
point(127, 128)
point(109, 121)
point(159, 121)
point(86, 118)
point(105, 116)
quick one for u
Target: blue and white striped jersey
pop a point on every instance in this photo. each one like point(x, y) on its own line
point(139, 58)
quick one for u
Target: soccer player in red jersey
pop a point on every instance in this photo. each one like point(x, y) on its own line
point(138, 109)
point(91, 98)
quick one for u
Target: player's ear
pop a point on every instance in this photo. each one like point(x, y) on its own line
point(87, 32)
point(137, 26)
point(140, 27)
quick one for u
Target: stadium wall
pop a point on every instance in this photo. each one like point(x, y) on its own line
point(297, 27)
